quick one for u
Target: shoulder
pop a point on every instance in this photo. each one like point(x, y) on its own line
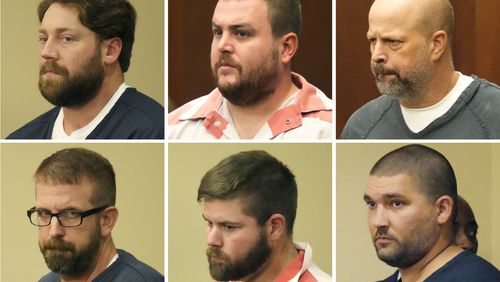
point(392, 278)
point(128, 268)
point(39, 128)
point(485, 93)
point(466, 267)
point(363, 119)
point(134, 116)
point(143, 105)
point(50, 277)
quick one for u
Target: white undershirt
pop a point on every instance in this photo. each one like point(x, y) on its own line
point(115, 257)
point(418, 119)
point(82, 133)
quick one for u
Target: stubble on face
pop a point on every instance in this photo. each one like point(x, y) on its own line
point(409, 247)
point(253, 84)
point(224, 268)
point(64, 258)
point(408, 85)
point(72, 90)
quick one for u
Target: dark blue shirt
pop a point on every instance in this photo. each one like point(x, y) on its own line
point(134, 116)
point(125, 269)
point(465, 267)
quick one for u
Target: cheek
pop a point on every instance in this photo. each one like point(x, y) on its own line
point(238, 247)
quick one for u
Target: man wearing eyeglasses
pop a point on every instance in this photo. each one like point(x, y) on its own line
point(75, 211)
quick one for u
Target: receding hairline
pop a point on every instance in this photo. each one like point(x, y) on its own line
point(428, 16)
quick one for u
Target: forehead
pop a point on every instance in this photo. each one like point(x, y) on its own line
point(225, 210)
point(380, 187)
point(393, 17)
point(237, 12)
point(60, 16)
point(61, 196)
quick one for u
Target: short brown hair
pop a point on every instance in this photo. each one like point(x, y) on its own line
point(107, 18)
point(71, 166)
point(267, 186)
point(285, 16)
point(431, 171)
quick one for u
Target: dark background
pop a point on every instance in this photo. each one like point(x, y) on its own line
point(476, 46)
point(190, 37)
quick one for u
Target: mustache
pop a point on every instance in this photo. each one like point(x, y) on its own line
point(225, 59)
point(382, 233)
point(58, 245)
point(51, 66)
point(217, 253)
point(381, 70)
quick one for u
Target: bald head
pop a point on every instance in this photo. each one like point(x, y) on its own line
point(425, 16)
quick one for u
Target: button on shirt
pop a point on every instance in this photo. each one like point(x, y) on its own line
point(307, 114)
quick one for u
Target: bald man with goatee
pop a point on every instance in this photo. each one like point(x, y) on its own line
point(422, 95)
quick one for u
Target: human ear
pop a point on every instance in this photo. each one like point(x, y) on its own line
point(289, 45)
point(276, 227)
point(444, 206)
point(108, 220)
point(111, 49)
point(439, 41)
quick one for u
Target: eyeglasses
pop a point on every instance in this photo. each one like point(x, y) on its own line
point(69, 218)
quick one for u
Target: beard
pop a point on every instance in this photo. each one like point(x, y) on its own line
point(254, 85)
point(63, 258)
point(406, 86)
point(229, 270)
point(407, 252)
point(72, 90)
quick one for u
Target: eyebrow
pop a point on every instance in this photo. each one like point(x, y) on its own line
point(386, 197)
point(58, 30)
point(225, 222)
point(235, 26)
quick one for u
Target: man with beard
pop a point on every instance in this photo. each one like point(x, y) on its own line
point(257, 95)
point(411, 197)
point(75, 211)
point(249, 203)
point(422, 94)
point(85, 49)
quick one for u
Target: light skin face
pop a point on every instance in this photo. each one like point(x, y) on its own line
point(244, 56)
point(61, 197)
point(402, 222)
point(229, 231)
point(401, 59)
point(68, 49)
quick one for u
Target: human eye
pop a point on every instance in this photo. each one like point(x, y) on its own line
point(42, 39)
point(242, 34)
point(397, 203)
point(67, 39)
point(229, 228)
point(71, 214)
point(217, 32)
point(393, 43)
point(370, 204)
point(43, 213)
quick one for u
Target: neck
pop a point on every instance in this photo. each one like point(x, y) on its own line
point(104, 257)
point(442, 82)
point(249, 120)
point(279, 259)
point(436, 258)
point(78, 117)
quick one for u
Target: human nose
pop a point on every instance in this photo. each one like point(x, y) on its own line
point(213, 237)
point(379, 217)
point(379, 55)
point(225, 43)
point(56, 229)
point(49, 50)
